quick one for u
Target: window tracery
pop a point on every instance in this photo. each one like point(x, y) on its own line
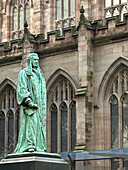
point(21, 13)
point(115, 8)
point(65, 13)
point(63, 117)
point(9, 121)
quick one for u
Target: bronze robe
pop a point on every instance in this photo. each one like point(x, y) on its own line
point(31, 86)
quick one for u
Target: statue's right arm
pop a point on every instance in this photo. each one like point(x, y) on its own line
point(23, 92)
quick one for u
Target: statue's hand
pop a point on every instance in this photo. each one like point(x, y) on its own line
point(31, 104)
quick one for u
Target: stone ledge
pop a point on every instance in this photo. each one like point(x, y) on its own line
point(81, 91)
point(34, 161)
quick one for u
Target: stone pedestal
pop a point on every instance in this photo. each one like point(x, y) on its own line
point(34, 161)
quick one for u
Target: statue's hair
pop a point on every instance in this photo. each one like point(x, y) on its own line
point(31, 56)
point(29, 60)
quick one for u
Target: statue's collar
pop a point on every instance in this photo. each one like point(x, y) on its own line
point(28, 71)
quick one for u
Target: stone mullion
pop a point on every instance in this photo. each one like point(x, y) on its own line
point(59, 131)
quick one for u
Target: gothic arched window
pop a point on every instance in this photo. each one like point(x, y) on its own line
point(65, 13)
point(9, 120)
point(21, 13)
point(119, 114)
point(62, 111)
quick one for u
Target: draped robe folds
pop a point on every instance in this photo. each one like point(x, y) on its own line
point(31, 87)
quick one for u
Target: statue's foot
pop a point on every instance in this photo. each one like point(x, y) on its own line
point(31, 150)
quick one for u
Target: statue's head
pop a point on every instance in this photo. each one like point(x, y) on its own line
point(33, 60)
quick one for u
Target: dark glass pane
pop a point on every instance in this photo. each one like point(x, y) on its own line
point(5, 102)
point(13, 102)
point(18, 122)
point(72, 93)
point(116, 84)
point(8, 102)
point(66, 94)
point(114, 123)
point(123, 86)
point(9, 99)
point(61, 94)
point(125, 121)
point(10, 132)
point(125, 165)
point(54, 129)
point(13, 99)
point(73, 127)
point(114, 165)
point(2, 134)
point(64, 128)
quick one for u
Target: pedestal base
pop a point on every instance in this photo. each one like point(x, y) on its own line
point(34, 161)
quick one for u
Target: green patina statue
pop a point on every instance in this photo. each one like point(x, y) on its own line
point(31, 95)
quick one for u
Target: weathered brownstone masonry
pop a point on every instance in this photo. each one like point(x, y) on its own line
point(83, 51)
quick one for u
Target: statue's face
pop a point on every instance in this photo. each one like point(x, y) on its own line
point(35, 62)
